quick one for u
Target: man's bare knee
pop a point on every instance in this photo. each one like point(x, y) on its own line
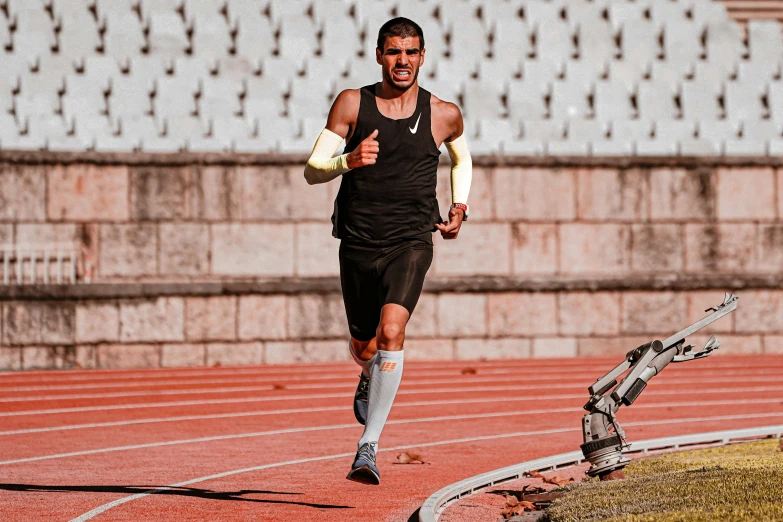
point(391, 336)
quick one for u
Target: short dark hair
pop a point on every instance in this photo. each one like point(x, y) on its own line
point(402, 27)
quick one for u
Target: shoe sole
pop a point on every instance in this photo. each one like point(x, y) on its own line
point(364, 475)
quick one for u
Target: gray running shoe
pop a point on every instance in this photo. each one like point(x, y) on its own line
point(360, 399)
point(364, 469)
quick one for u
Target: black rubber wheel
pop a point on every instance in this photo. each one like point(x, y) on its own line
point(595, 445)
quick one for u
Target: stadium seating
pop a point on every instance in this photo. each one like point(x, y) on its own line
point(570, 77)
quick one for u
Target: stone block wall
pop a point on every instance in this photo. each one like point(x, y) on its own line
point(285, 329)
point(559, 259)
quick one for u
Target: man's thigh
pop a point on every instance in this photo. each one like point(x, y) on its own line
point(402, 278)
point(360, 286)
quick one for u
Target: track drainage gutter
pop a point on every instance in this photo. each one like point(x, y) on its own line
point(432, 508)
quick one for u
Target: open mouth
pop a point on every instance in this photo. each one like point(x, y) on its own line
point(401, 74)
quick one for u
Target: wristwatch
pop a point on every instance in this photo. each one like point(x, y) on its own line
point(463, 207)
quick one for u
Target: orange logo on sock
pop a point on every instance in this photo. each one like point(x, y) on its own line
point(388, 366)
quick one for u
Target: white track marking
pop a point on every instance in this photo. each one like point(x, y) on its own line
point(352, 425)
point(259, 413)
point(484, 375)
point(318, 376)
point(240, 400)
point(534, 365)
point(331, 427)
point(352, 384)
point(105, 507)
point(347, 381)
point(415, 366)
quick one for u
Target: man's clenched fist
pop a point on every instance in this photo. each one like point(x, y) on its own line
point(450, 230)
point(366, 153)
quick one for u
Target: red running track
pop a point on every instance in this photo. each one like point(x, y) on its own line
point(275, 443)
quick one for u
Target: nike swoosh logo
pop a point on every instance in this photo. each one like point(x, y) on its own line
point(415, 127)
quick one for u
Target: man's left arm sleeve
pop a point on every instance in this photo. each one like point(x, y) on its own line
point(461, 169)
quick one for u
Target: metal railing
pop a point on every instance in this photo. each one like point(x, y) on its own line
point(54, 263)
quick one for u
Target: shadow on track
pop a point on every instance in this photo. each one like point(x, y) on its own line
point(183, 492)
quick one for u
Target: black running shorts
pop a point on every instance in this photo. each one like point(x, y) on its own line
point(374, 276)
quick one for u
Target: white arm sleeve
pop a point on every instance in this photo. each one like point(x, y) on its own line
point(322, 167)
point(461, 169)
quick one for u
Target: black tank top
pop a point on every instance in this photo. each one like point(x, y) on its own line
point(394, 198)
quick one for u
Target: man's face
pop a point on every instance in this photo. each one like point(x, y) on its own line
point(400, 60)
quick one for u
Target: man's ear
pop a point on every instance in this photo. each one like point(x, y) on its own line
point(421, 60)
point(378, 56)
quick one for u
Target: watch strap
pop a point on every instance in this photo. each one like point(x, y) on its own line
point(463, 207)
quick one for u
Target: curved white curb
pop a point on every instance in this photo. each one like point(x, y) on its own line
point(432, 508)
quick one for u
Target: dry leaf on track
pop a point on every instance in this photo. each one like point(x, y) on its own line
point(469, 371)
point(408, 457)
point(515, 507)
point(558, 480)
point(278, 387)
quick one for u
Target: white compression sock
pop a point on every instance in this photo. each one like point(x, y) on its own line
point(366, 365)
point(385, 378)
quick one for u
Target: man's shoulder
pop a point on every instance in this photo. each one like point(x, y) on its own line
point(345, 107)
point(348, 96)
point(445, 110)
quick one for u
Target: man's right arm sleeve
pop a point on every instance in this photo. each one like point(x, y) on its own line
point(322, 167)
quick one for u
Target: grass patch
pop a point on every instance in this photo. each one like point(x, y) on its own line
point(740, 482)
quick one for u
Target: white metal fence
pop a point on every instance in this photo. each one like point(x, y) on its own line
point(39, 264)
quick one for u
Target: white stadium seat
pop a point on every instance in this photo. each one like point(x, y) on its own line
point(764, 41)
point(724, 44)
point(656, 100)
point(167, 34)
point(634, 130)
point(743, 101)
point(700, 100)
point(211, 35)
point(612, 101)
point(510, 40)
point(697, 147)
point(623, 147)
point(526, 100)
point(536, 76)
point(219, 97)
point(124, 36)
point(587, 130)
point(543, 130)
point(174, 96)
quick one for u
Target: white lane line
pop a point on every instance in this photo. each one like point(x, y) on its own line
point(553, 365)
point(352, 425)
point(535, 365)
point(105, 507)
point(352, 383)
point(347, 380)
point(260, 413)
point(521, 373)
point(528, 375)
point(241, 400)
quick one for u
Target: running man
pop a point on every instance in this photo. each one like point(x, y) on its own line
point(385, 214)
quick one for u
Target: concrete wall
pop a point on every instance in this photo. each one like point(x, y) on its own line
point(276, 329)
point(559, 259)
